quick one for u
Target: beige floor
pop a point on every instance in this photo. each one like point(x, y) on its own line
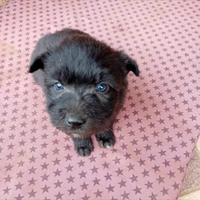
point(2, 2)
point(193, 195)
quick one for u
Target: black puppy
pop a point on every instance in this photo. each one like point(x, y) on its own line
point(85, 84)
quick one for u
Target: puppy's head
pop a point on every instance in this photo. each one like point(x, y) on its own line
point(85, 83)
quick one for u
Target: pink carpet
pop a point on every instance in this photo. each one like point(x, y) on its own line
point(156, 130)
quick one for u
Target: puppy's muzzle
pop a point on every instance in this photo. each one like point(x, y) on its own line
point(75, 123)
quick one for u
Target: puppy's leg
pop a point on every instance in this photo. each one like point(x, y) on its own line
point(106, 139)
point(83, 146)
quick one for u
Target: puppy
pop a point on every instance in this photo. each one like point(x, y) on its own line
point(85, 85)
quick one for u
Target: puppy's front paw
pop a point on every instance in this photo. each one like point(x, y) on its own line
point(106, 139)
point(83, 147)
point(84, 151)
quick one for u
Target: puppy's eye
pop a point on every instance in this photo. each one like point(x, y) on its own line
point(102, 87)
point(58, 86)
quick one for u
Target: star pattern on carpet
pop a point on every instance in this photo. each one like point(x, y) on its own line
point(157, 128)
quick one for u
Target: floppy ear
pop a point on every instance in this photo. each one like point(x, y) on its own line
point(130, 64)
point(37, 63)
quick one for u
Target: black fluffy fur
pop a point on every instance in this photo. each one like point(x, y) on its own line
point(79, 62)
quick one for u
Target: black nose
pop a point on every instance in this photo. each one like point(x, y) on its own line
point(75, 123)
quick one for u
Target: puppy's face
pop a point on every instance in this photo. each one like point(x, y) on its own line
point(85, 84)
